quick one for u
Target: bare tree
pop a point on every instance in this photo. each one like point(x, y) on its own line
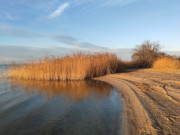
point(145, 54)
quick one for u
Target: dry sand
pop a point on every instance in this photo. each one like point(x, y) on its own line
point(152, 101)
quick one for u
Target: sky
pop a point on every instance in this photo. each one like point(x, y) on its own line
point(89, 24)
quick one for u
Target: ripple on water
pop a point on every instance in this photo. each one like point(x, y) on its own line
point(43, 107)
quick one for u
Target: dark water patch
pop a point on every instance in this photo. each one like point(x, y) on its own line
point(60, 108)
point(19, 110)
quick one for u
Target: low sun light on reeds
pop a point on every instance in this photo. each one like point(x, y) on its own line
point(167, 63)
point(78, 66)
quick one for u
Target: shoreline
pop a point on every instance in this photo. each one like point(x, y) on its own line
point(152, 100)
point(132, 112)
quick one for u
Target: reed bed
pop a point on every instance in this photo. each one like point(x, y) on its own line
point(167, 63)
point(78, 66)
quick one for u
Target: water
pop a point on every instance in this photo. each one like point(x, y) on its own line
point(59, 108)
point(1, 68)
point(4, 69)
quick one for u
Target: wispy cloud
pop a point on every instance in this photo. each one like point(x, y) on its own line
point(73, 42)
point(6, 30)
point(59, 10)
point(8, 15)
point(118, 2)
point(105, 2)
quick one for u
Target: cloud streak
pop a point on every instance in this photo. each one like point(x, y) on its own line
point(105, 3)
point(59, 10)
point(6, 30)
point(73, 42)
point(118, 2)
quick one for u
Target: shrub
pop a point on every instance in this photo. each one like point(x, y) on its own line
point(130, 64)
point(145, 54)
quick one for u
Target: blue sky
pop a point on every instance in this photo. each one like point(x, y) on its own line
point(89, 23)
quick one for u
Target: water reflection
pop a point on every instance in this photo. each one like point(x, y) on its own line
point(59, 108)
point(74, 90)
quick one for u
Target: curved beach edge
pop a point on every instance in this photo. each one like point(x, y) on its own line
point(152, 100)
point(136, 119)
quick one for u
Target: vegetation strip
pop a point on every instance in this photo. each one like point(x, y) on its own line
point(78, 66)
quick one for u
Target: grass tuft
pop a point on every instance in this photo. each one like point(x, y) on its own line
point(167, 63)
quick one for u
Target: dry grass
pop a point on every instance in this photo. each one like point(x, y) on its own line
point(79, 66)
point(167, 63)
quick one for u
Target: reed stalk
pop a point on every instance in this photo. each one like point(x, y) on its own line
point(78, 66)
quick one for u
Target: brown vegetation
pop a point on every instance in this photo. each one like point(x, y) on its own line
point(79, 66)
point(167, 63)
point(130, 64)
point(145, 54)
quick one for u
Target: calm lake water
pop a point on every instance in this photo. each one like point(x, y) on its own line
point(59, 108)
point(1, 68)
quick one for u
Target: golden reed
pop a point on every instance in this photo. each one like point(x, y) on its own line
point(167, 63)
point(78, 66)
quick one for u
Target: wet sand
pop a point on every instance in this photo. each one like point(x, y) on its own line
point(152, 100)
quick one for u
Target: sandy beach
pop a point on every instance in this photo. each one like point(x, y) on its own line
point(152, 100)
